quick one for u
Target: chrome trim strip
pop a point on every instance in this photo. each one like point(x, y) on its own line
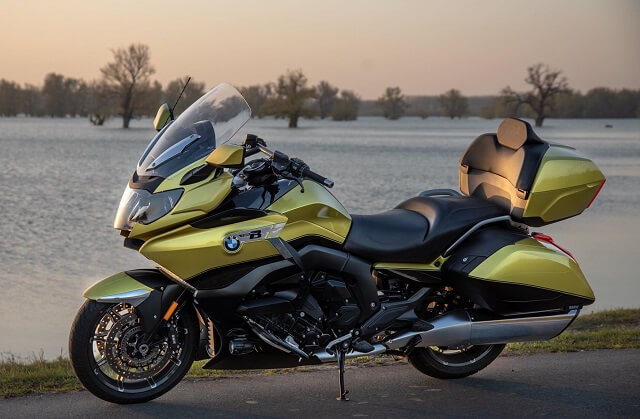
point(134, 297)
point(173, 151)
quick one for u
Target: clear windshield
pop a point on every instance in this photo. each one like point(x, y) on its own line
point(214, 118)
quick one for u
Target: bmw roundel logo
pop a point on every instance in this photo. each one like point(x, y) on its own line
point(231, 244)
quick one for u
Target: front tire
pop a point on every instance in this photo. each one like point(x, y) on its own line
point(445, 364)
point(109, 362)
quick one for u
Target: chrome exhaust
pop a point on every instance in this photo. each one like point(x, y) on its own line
point(458, 328)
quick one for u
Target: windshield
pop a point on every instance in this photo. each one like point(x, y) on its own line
point(214, 118)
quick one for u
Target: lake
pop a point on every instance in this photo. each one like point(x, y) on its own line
point(61, 181)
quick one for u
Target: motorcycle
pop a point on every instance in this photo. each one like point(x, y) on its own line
point(259, 266)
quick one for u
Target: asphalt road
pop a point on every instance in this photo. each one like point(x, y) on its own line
point(587, 384)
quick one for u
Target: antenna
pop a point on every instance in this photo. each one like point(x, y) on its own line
point(183, 89)
point(171, 115)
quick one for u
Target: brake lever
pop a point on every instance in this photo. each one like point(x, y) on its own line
point(298, 180)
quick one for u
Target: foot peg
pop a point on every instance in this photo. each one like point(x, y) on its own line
point(363, 346)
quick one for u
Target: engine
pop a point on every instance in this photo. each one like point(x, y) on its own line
point(282, 321)
point(300, 326)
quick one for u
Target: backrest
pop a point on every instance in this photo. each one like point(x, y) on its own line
point(501, 167)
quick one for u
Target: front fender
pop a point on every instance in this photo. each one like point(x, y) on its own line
point(149, 290)
point(120, 287)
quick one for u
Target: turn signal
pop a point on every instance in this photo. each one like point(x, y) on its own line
point(597, 192)
point(548, 239)
point(170, 311)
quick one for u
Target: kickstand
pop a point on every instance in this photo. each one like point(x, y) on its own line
point(343, 392)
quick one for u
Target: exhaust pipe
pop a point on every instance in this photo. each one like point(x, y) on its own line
point(460, 328)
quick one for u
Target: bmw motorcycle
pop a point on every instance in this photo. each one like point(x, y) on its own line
point(259, 266)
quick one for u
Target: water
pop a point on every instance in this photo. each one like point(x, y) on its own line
point(61, 181)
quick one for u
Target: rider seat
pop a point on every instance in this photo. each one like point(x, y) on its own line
point(418, 230)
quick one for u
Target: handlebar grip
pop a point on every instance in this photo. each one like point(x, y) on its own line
point(318, 178)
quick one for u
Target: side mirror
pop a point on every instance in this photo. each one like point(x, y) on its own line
point(163, 116)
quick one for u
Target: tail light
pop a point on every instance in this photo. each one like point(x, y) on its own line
point(596, 194)
point(548, 239)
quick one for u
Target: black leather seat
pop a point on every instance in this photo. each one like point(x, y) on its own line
point(418, 230)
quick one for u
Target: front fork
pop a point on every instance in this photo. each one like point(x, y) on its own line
point(153, 320)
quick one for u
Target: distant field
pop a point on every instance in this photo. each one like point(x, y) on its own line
point(613, 329)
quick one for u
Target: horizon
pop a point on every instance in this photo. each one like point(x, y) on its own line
point(424, 48)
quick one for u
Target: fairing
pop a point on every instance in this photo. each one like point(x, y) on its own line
point(182, 144)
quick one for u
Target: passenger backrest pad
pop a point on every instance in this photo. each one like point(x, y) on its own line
point(502, 167)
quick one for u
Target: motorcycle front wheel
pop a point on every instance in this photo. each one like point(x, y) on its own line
point(441, 362)
point(111, 360)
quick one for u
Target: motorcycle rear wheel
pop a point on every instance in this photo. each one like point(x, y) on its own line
point(109, 361)
point(445, 363)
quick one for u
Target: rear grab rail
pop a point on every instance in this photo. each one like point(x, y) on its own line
point(473, 229)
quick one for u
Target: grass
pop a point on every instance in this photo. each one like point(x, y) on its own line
point(35, 374)
point(613, 329)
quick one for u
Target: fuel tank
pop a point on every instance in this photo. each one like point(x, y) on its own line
point(314, 214)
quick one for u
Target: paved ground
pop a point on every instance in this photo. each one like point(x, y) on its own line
point(587, 384)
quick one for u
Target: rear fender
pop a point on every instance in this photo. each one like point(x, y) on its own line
point(150, 291)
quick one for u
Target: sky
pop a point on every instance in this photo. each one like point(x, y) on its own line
point(424, 47)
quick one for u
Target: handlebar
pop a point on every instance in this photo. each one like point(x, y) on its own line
point(265, 150)
point(306, 172)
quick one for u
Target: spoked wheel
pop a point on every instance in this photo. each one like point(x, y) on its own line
point(111, 360)
point(442, 362)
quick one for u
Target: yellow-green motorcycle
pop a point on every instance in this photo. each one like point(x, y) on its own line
point(259, 266)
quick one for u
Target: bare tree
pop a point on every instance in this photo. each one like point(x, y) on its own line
point(129, 74)
point(326, 96)
point(292, 97)
point(546, 84)
point(256, 96)
point(453, 104)
point(392, 103)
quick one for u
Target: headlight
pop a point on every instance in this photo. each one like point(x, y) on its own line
point(141, 206)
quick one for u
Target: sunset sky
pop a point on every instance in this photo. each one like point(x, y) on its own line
point(425, 47)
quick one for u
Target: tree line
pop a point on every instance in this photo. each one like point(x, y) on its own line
point(126, 89)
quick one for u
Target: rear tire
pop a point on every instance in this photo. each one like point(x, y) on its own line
point(444, 364)
point(99, 377)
